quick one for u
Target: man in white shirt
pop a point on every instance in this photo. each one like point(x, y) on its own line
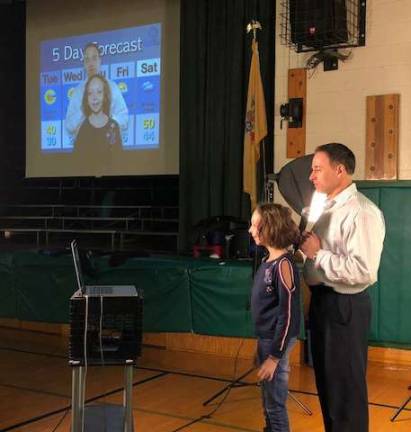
point(343, 255)
point(118, 108)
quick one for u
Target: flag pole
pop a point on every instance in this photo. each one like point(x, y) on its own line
point(255, 121)
point(253, 26)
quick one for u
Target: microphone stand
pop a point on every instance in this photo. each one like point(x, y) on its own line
point(402, 407)
point(239, 383)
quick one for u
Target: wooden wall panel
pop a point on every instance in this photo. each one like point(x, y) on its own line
point(381, 152)
point(297, 88)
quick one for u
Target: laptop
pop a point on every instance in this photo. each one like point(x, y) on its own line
point(98, 290)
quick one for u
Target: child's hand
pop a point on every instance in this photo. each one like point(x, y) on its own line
point(267, 369)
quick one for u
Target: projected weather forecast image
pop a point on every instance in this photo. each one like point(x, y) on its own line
point(101, 88)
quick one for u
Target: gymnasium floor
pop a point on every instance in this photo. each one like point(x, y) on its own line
point(169, 390)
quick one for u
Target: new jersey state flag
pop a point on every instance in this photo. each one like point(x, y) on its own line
point(255, 126)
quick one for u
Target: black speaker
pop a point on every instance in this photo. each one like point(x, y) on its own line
point(318, 23)
point(114, 329)
point(240, 244)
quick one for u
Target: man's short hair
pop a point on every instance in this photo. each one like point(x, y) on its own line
point(91, 45)
point(339, 154)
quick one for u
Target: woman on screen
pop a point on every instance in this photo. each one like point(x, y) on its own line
point(99, 135)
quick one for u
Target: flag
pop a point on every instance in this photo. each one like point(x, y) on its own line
point(255, 126)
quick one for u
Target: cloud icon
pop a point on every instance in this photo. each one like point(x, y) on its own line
point(147, 86)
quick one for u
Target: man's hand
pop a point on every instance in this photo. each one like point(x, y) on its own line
point(267, 369)
point(310, 244)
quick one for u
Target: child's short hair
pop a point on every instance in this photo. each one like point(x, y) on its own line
point(277, 229)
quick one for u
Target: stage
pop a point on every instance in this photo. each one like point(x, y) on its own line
point(181, 294)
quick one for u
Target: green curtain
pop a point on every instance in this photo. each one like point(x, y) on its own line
point(391, 296)
point(215, 61)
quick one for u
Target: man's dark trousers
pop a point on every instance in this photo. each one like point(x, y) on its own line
point(339, 325)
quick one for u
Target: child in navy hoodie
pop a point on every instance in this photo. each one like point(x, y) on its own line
point(275, 307)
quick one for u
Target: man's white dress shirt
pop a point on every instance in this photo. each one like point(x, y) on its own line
point(352, 231)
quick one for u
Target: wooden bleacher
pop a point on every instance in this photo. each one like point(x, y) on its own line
point(51, 222)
